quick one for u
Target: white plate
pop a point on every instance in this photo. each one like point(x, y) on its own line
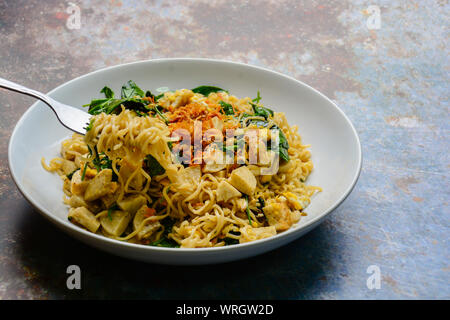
point(336, 150)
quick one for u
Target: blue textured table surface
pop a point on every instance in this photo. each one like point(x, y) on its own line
point(389, 73)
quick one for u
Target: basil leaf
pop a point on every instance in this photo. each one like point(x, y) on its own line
point(226, 108)
point(283, 152)
point(112, 105)
point(257, 122)
point(164, 241)
point(206, 90)
point(157, 109)
point(130, 90)
point(230, 241)
point(149, 94)
point(261, 111)
point(153, 168)
point(283, 145)
point(108, 92)
point(102, 105)
point(101, 161)
point(159, 96)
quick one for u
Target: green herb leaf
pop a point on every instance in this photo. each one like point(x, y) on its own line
point(131, 98)
point(226, 108)
point(84, 171)
point(89, 126)
point(230, 241)
point(70, 175)
point(101, 161)
point(233, 147)
point(164, 241)
point(159, 96)
point(140, 114)
point(206, 90)
point(262, 111)
point(148, 94)
point(152, 166)
point(109, 94)
point(111, 209)
point(257, 99)
point(109, 106)
point(130, 90)
point(158, 109)
point(262, 203)
point(283, 146)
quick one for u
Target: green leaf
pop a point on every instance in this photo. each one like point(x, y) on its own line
point(84, 171)
point(101, 161)
point(152, 166)
point(130, 98)
point(230, 241)
point(112, 105)
point(283, 145)
point(111, 209)
point(262, 203)
point(130, 90)
point(233, 147)
point(70, 175)
point(261, 111)
point(164, 241)
point(140, 114)
point(158, 109)
point(206, 90)
point(98, 106)
point(148, 94)
point(226, 108)
point(284, 154)
point(159, 96)
point(257, 99)
point(89, 125)
point(109, 94)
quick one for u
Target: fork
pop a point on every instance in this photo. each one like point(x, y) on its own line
point(70, 117)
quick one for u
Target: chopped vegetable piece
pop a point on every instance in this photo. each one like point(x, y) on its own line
point(206, 90)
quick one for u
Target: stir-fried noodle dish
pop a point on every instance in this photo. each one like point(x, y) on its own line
point(186, 168)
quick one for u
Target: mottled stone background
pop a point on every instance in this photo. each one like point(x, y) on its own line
point(393, 82)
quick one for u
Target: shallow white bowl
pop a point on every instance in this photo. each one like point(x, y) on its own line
point(335, 146)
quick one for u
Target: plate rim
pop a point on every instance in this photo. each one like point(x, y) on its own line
point(65, 224)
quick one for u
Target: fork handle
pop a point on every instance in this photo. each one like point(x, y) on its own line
point(9, 85)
